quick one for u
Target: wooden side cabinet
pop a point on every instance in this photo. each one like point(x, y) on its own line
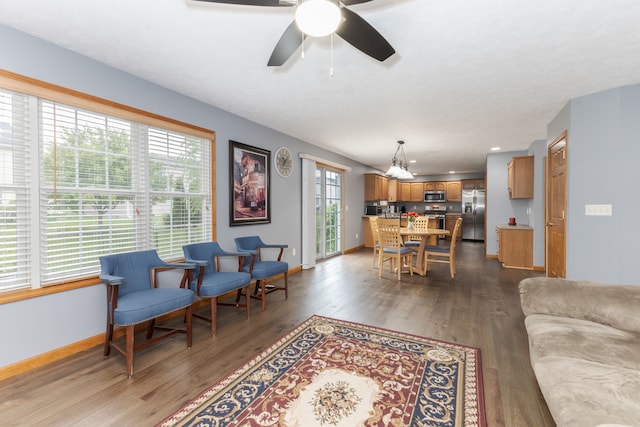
point(520, 178)
point(515, 246)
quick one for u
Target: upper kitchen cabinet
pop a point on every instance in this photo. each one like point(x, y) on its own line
point(417, 192)
point(454, 193)
point(435, 186)
point(473, 184)
point(392, 190)
point(520, 177)
point(404, 191)
point(375, 187)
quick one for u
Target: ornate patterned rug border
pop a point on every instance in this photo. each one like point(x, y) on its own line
point(472, 387)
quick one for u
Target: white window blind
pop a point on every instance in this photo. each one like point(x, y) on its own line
point(102, 185)
point(179, 175)
point(15, 267)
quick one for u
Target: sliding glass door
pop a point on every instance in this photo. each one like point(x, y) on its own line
point(328, 212)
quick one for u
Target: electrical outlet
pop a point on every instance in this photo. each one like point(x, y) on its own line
point(293, 251)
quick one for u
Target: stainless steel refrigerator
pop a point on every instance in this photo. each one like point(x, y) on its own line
point(473, 214)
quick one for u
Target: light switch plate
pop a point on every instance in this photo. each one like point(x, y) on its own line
point(598, 210)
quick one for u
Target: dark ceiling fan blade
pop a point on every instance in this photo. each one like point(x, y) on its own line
point(289, 42)
point(361, 35)
point(270, 3)
point(352, 2)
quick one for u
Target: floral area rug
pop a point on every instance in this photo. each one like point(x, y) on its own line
point(333, 373)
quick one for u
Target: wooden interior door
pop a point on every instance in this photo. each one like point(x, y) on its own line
point(557, 207)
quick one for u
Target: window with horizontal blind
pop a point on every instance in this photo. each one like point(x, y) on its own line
point(96, 184)
point(15, 218)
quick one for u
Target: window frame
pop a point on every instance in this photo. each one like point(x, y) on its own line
point(30, 86)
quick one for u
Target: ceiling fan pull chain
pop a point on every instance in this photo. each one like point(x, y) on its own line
point(331, 64)
point(302, 52)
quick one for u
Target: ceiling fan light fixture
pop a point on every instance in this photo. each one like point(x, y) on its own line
point(399, 167)
point(318, 18)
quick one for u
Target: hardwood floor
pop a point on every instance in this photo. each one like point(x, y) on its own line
point(480, 308)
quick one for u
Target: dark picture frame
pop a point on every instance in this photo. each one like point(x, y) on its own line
point(250, 192)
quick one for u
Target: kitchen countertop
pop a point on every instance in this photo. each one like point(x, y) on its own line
point(515, 227)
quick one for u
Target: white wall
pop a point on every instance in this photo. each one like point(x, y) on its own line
point(79, 314)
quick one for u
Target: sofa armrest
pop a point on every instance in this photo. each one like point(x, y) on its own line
point(609, 304)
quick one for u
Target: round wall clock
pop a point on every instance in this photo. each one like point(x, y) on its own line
point(284, 162)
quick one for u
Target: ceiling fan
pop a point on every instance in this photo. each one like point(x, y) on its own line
point(352, 28)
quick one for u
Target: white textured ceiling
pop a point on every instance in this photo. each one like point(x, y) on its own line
point(468, 74)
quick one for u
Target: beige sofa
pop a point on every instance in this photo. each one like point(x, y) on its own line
point(584, 344)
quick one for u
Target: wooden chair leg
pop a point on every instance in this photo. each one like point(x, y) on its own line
point(189, 326)
point(214, 312)
point(129, 337)
point(263, 287)
point(286, 285)
point(452, 267)
point(108, 338)
point(150, 327)
point(247, 301)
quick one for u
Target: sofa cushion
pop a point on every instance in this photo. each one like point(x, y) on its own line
point(581, 339)
point(614, 305)
point(584, 393)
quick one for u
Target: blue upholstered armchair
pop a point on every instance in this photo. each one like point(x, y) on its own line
point(133, 297)
point(209, 282)
point(262, 269)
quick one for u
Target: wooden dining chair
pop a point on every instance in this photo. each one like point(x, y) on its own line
point(443, 253)
point(373, 223)
point(392, 249)
point(422, 222)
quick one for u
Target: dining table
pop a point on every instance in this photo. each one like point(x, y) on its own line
point(421, 267)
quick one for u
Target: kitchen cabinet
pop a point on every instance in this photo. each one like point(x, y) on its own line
point(473, 184)
point(515, 246)
point(434, 186)
point(449, 224)
point(520, 177)
point(417, 192)
point(454, 191)
point(375, 187)
point(368, 237)
point(392, 190)
point(404, 188)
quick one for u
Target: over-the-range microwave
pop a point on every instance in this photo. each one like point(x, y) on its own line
point(434, 196)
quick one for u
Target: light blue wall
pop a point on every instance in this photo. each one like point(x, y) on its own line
point(603, 152)
point(39, 325)
point(604, 130)
point(499, 207)
point(526, 211)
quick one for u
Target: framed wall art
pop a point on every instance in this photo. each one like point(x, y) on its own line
point(250, 184)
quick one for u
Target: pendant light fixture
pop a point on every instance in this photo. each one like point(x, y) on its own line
point(399, 167)
point(318, 18)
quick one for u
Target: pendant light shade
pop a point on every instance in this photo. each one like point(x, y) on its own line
point(399, 167)
point(318, 18)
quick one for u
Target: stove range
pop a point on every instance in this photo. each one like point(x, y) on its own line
point(440, 214)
